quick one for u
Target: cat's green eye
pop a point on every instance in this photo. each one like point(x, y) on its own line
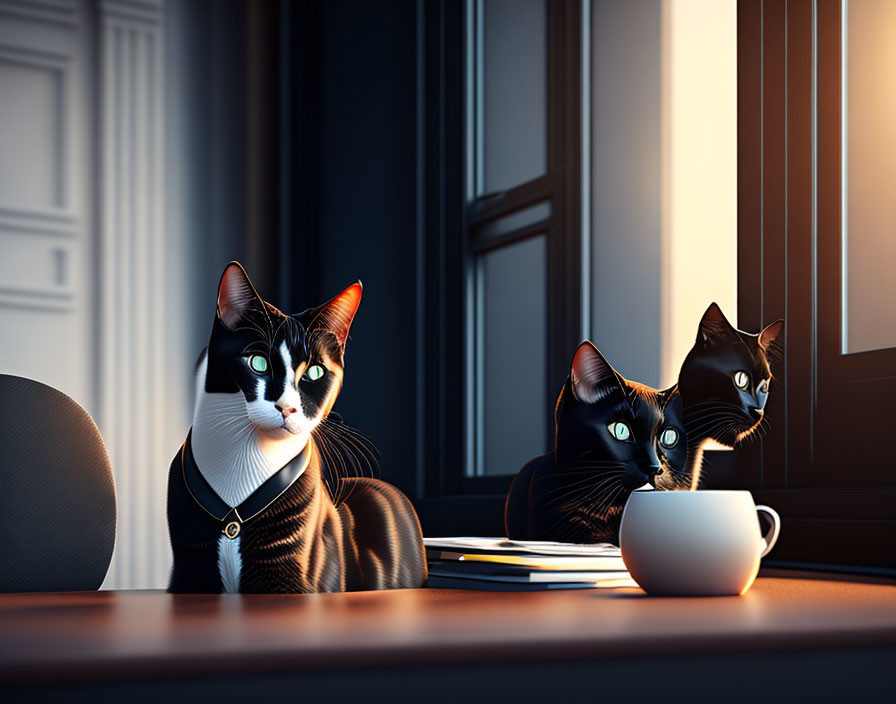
point(741, 380)
point(314, 372)
point(620, 431)
point(763, 387)
point(669, 438)
point(258, 363)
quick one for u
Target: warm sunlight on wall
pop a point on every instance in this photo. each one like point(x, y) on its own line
point(699, 170)
point(870, 178)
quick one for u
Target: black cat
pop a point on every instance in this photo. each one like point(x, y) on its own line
point(672, 443)
point(605, 446)
point(724, 384)
point(249, 509)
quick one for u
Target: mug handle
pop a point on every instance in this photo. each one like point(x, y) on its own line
point(770, 538)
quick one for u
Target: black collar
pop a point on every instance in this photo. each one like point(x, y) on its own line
point(271, 490)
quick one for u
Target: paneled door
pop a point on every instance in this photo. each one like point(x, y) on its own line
point(82, 286)
point(47, 302)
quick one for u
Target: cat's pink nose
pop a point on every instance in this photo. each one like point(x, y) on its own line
point(287, 411)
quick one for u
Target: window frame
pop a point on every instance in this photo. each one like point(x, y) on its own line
point(788, 238)
point(448, 500)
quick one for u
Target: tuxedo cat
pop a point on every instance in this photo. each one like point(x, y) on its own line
point(723, 385)
point(605, 446)
point(248, 506)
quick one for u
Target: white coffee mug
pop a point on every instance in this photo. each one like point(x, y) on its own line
point(694, 542)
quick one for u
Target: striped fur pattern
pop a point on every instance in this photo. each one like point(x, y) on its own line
point(304, 542)
point(265, 389)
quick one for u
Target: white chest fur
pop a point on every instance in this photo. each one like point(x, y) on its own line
point(233, 455)
point(236, 457)
point(230, 564)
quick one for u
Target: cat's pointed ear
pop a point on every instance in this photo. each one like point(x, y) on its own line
point(666, 394)
point(337, 315)
point(670, 401)
point(236, 295)
point(713, 324)
point(770, 333)
point(591, 375)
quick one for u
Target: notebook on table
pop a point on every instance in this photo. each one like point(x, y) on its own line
point(513, 565)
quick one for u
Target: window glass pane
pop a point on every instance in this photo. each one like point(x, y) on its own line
point(511, 356)
point(514, 92)
point(869, 178)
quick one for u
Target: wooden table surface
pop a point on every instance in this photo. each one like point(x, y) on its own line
point(83, 635)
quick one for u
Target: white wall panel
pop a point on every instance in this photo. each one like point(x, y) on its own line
point(133, 285)
point(699, 169)
point(28, 176)
point(46, 271)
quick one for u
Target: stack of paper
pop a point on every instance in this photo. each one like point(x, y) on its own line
point(498, 564)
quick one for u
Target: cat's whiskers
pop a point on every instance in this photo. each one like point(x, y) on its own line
point(608, 497)
point(698, 416)
point(581, 488)
point(599, 488)
point(592, 463)
point(587, 485)
point(348, 454)
point(591, 474)
point(608, 502)
point(700, 426)
point(598, 493)
point(357, 441)
point(330, 460)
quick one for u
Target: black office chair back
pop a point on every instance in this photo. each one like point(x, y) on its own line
point(57, 495)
